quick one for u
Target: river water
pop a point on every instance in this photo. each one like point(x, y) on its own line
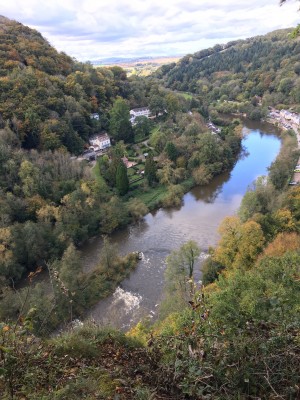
point(164, 230)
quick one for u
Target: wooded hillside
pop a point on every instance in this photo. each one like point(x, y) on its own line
point(267, 66)
point(46, 97)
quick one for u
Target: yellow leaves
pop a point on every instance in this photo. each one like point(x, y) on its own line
point(201, 175)
point(5, 243)
point(85, 188)
point(240, 243)
point(211, 288)
point(66, 199)
point(48, 213)
point(284, 219)
point(6, 328)
point(238, 130)
point(34, 203)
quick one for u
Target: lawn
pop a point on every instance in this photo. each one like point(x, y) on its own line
point(152, 197)
point(99, 178)
point(130, 172)
point(139, 167)
point(186, 95)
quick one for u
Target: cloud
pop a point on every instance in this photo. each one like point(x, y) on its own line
point(93, 29)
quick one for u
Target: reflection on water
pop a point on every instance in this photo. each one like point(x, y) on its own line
point(209, 193)
point(162, 231)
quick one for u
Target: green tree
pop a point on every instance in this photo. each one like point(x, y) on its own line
point(108, 255)
point(157, 104)
point(122, 182)
point(142, 126)
point(70, 268)
point(180, 269)
point(172, 151)
point(172, 104)
point(150, 170)
point(120, 126)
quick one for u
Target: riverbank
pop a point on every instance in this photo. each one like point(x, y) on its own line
point(278, 119)
point(197, 217)
point(164, 230)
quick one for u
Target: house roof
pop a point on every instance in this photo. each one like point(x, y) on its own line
point(140, 109)
point(101, 137)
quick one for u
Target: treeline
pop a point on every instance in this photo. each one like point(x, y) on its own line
point(265, 66)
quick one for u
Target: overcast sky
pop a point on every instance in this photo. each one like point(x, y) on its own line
point(96, 29)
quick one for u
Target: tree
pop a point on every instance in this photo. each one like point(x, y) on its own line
point(137, 209)
point(172, 104)
point(120, 126)
point(70, 268)
point(108, 255)
point(157, 104)
point(201, 175)
point(122, 182)
point(240, 244)
point(165, 174)
point(142, 126)
point(180, 269)
point(171, 151)
point(150, 170)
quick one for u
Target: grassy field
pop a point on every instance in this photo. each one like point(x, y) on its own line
point(152, 197)
point(98, 176)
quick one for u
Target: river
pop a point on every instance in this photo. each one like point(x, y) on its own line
point(164, 230)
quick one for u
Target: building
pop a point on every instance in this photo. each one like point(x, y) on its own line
point(127, 163)
point(290, 116)
point(95, 116)
point(139, 112)
point(99, 142)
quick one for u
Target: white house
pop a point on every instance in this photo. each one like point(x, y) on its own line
point(139, 112)
point(99, 142)
point(95, 116)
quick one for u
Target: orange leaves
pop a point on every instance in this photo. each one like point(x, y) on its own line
point(32, 274)
point(282, 243)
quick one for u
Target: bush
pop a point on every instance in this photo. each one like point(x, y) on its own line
point(210, 270)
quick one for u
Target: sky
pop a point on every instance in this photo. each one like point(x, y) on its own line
point(99, 29)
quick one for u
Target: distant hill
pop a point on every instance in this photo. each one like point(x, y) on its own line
point(47, 97)
point(119, 60)
point(267, 66)
point(142, 66)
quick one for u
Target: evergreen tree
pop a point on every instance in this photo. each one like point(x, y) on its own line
point(122, 182)
point(171, 151)
point(150, 170)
